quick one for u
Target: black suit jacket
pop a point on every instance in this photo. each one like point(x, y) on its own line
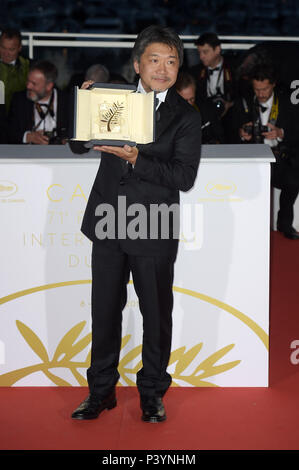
point(3, 129)
point(243, 112)
point(285, 171)
point(212, 132)
point(21, 116)
point(200, 74)
point(163, 168)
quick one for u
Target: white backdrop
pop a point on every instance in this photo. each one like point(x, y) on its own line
point(221, 287)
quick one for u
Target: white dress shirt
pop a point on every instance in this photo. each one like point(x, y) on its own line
point(215, 80)
point(161, 96)
point(47, 124)
point(265, 119)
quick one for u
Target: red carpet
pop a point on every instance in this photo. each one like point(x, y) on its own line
point(198, 419)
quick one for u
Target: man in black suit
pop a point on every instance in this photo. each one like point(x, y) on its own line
point(215, 79)
point(13, 67)
point(212, 130)
point(270, 118)
point(214, 75)
point(146, 175)
point(40, 114)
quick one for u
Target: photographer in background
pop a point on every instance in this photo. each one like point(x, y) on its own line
point(211, 127)
point(39, 115)
point(269, 118)
point(214, 79)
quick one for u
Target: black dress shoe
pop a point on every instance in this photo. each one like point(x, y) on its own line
point(153, 410)
point(91, 407)
point(291, 233)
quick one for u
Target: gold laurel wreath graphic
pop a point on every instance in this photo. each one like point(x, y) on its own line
point(69, 346)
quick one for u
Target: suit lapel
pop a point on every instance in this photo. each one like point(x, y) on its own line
point(165, 113)
point(62, 108)
point(29, 109)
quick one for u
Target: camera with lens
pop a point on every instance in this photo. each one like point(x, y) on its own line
point(264, 129)
point(56, 137)
point(247, 128)
point(217, 100)
point(258, 130)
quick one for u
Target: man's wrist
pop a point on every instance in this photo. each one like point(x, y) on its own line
point(133, 161)
point(27, 137)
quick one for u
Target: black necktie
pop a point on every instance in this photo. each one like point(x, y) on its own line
point(47, 108)
point(263, 108)
point(42, 112)
point(211, 71)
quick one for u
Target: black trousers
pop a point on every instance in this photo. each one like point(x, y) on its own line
point(153, 279)
point(286, 178)
point(285, 215)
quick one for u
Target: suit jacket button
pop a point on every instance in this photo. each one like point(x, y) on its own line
point(122, 182)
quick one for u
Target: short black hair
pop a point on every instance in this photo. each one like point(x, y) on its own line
point(157, 34)
point(208, 38)
point(11, 33)
point(263, 72)
point(47, 68)
point(98, 73)
point(184, 80)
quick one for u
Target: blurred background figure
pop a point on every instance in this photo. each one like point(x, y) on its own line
point(39, 114)
point(268, 117)
point(212, 131)
point(13, 67)
point(98, 73)
point(215, 78)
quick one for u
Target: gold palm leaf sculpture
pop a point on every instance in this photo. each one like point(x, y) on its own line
point(113, 115)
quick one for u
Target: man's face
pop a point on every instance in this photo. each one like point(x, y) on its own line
point(209, 56)
point(9, 49)
point(158, 67)
point(37, 86)
point(188, 94)
point(263, 89)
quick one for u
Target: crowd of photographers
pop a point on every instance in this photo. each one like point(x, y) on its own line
point(248, 103)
